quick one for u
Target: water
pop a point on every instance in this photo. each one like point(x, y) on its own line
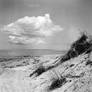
point(28, 52)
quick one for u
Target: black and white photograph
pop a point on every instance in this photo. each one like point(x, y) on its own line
point(45, 45)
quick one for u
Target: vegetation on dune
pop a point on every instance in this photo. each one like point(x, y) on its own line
point(80, 46)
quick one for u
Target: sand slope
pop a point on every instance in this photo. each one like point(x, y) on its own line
point(76, 73)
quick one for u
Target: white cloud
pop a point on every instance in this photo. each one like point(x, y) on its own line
point(31, 29)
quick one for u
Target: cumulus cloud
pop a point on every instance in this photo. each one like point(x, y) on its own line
point(31, 29)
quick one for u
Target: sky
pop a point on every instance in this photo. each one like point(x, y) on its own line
point(43, 24)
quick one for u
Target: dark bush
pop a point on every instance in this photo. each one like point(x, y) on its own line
point(57, 83)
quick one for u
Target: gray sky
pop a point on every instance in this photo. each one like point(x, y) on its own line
point(69, 14)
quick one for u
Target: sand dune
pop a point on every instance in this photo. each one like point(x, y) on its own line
point(71, 72)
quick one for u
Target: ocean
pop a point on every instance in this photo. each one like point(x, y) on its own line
point(28, 52)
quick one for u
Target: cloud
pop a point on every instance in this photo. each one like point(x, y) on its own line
point(31, 29)
point(25, 40)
